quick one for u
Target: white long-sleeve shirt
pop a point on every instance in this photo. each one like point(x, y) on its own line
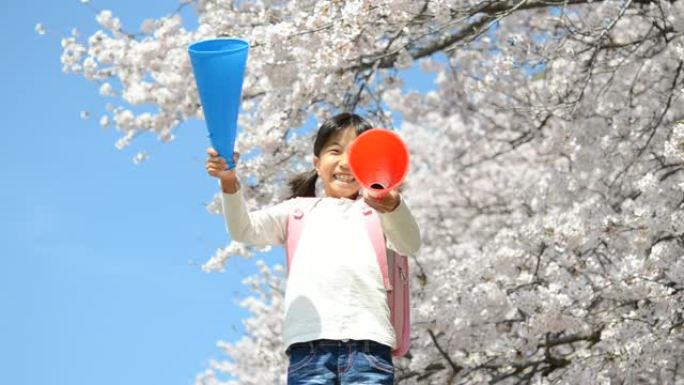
point(334, 288)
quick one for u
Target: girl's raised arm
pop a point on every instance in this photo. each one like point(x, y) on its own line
point(259, 228)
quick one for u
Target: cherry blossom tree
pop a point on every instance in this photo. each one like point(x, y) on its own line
point(547, 168)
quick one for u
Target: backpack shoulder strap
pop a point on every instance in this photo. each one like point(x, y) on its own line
point(377, 238)
point(295, 224)
point(395, 276)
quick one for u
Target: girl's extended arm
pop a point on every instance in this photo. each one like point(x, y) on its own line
point(401, 229)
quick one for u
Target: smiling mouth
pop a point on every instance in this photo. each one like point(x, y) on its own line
point(344, 178)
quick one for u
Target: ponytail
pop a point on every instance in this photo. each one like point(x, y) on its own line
point(303, 185)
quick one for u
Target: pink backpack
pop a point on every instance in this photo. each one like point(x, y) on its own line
point(394, 267)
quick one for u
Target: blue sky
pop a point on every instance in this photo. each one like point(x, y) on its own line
point(100, 280)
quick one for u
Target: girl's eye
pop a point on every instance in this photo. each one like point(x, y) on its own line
point(334, 151)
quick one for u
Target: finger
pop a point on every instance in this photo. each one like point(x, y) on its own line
point(216, 169)
point(373, 199)
point(217, 161)
point(212, 152)
point(379, 208)
point(213, 171)
point(370, 202)
point(214, 165)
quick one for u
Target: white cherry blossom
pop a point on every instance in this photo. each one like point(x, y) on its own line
point(547, 169)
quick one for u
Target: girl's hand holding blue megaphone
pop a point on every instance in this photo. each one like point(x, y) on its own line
point(218, 167)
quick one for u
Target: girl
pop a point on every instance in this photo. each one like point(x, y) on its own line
point(337, 327)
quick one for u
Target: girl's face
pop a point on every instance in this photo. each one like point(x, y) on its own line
point(333, 168)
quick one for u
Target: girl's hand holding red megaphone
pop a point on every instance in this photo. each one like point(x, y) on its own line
point(379, 160)
point(385, 204)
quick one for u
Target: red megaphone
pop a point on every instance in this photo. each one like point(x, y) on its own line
point(379, 160)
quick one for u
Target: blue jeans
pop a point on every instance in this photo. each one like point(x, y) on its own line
point(330, 362)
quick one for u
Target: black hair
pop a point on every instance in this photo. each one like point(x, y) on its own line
point(304, 185)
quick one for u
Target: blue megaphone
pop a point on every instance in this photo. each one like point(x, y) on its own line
point(219, 68)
